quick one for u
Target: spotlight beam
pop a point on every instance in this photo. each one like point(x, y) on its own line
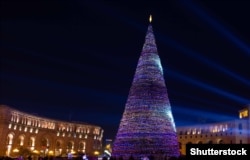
point(217, 26)
point(201, 100)
point(170, 42)
point(105, 9)
point(208, 87)
point(205, 114)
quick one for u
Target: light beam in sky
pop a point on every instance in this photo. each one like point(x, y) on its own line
point(217, 26)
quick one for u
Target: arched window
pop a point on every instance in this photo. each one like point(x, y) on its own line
point(58, 144)
point(58, 148)
point(82, 146)
point(10, 138)
point(240, 126)
point(32, 142)
point(21, 140)
point(44, 143)
point(70, 146)
point(220, 141)
point(9, 143)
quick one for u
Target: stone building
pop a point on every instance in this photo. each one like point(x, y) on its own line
point(229, 132)
point(44, 136)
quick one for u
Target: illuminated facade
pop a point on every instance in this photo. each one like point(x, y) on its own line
point(147, 126)
point(229, 132)
point(43, 136)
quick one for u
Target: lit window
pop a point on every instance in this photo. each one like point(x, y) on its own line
point(21, 140)
point(10, 138)
point(17, 120)
point(29, 122)
point(243, 114)
point(199, 131)
point(194, 131)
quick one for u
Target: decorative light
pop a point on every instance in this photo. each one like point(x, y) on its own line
point(96, 153)
point(15, 150)
point(51, 152)
point(150, 18)
point(147, 125)
point(36, 151)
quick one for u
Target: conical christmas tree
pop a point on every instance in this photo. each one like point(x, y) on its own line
point(147, 126)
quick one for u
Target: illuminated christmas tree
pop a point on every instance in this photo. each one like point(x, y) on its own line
point(147, 126)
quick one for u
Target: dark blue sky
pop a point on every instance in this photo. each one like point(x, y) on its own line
point(75, 60)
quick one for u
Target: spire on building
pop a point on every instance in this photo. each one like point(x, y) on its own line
point(147, 126)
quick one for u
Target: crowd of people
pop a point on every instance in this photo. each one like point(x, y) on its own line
point(85, 157)
point(151, 157)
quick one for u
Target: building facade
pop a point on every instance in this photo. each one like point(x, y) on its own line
point(43, 136)
point(229, 132)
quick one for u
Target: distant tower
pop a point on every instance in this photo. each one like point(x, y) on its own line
point(147, 126)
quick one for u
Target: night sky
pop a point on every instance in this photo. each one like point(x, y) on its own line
point(75, 60)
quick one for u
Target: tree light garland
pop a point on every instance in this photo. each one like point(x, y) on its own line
point(147, 125)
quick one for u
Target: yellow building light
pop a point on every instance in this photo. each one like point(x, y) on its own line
point(243, 114)
point(15, 150)
point(51, 152)
point(36, 151)
point(108, 146)
point(96, 153)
